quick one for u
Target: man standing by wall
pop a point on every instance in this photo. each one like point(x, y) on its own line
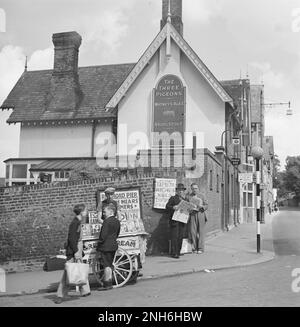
point(197, 221)
point(177, 227)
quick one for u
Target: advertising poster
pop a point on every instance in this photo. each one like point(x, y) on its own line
point(164, 189)
point(132, 231)
point(129, 205)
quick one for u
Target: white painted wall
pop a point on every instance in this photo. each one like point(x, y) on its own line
point(60, 141)
point(205, 112)
point(56, 141)
point(103, 133)
point(134, 115)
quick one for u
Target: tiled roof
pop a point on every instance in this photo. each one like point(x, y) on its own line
point(98, 84)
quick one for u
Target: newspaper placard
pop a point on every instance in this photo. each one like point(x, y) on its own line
point(164, 189)
point(129, 205)
point(91, 230)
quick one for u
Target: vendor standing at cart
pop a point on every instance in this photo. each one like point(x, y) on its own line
point(107, 244)
point(177, 227)
point(109, 192)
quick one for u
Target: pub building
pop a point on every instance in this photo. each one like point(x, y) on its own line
point(67, 113)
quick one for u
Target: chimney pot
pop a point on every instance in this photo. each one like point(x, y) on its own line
point(66, 47)
point(65, 92)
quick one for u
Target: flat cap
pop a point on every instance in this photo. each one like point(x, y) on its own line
point(110, 190)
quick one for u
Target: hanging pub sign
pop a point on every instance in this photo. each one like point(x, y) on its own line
point(164, 189)
point(169, 109)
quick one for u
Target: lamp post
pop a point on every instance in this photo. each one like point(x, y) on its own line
point(257, 153)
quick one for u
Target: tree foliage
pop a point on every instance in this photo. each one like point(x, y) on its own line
point(291, 177)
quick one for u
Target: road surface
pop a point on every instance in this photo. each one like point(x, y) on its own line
point(267, 284)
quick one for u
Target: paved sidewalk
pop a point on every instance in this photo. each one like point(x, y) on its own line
point(235, 248)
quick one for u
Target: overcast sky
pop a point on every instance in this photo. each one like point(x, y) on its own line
point(228, 35)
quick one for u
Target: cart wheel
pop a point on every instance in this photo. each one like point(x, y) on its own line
point(122, 268)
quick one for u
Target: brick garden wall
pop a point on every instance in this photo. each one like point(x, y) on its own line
point(34, 219)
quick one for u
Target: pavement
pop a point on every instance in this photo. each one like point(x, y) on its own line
point(235, 248)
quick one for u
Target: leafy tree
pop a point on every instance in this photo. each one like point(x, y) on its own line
point(291, 178)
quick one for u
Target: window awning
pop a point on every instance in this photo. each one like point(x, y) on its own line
point(64, 164)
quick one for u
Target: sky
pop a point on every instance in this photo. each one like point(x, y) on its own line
point(260, 38)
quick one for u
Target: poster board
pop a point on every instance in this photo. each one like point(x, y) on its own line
point(129, 210)
point(132, 233)
point(163, 190)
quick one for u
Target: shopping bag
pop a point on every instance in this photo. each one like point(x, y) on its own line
point(186, 246)
point(77, 273)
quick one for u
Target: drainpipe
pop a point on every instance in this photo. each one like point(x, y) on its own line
point(93, 139)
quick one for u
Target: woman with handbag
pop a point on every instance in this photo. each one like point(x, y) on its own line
point(74, 253)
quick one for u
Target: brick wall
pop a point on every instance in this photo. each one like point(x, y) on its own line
point(34, 219)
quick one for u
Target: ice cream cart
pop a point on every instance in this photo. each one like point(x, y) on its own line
point(132, 241)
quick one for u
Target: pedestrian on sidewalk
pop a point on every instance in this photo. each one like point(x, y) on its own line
point(74, 252)
point(176, 227)
point(197, 219)
point(108, 245)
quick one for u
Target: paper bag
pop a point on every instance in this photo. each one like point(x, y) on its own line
point(77, 273)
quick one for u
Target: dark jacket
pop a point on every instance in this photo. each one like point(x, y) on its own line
point(108, 236)
point(173, 201)
point(73, 238)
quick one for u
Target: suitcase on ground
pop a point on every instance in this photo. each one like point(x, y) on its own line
point(55, 263)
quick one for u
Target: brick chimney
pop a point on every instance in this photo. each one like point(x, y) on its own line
point(65, 91)
point(176, 14)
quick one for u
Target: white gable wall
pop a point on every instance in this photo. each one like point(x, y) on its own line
point(134, 112)
point(205, 111)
